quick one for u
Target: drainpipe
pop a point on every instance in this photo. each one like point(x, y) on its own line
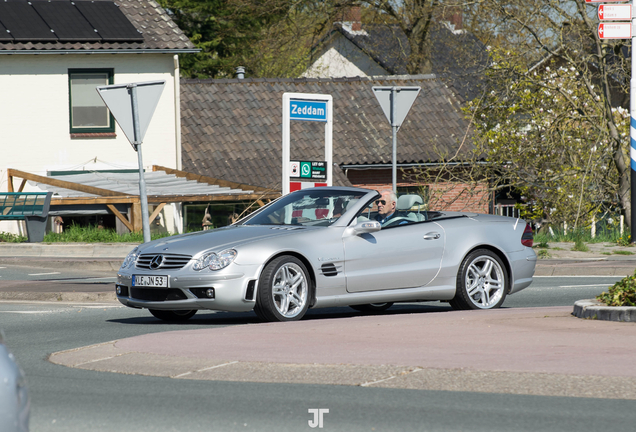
point(177, 113)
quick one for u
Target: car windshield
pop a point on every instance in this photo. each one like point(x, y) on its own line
point(310, 208)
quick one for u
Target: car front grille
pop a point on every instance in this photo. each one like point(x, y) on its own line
point(162, 261)
point(157, 294)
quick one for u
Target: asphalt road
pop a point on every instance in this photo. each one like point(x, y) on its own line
point(70, 400)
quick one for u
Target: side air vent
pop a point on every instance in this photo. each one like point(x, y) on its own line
point(250, 291)
point(329, 269)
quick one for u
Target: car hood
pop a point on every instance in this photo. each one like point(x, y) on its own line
point(217, 239)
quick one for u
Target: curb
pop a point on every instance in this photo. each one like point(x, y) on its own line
point(91, 264)
point(66, 250)
point(593, 309)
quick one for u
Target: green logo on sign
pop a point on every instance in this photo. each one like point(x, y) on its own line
point(305, 169)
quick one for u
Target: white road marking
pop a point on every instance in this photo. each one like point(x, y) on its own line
point(582, 286)
point(42, 274)
point(204, 369)
point(30, 312)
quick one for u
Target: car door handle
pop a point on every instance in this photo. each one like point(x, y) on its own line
point(431, 236)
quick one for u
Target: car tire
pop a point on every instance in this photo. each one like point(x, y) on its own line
point(173, 316)
point(372, 307)
point(284, 290)
point(482, 282)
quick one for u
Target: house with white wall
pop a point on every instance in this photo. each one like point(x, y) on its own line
point(53, 55)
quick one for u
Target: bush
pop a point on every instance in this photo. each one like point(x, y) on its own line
point(622, 293)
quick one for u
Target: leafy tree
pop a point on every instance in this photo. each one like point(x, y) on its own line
point(226, 31)
point(542, 134)
point(553, 123)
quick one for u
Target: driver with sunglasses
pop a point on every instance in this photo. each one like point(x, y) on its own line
point(386, 207)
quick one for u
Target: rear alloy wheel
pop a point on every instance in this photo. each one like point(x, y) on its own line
point(482, 282)
point(173, 316)
point(372, 307)
point(283, 290)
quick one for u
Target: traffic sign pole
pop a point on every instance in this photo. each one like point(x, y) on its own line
point(143, 197)
point(632, 134)
point(394, 126)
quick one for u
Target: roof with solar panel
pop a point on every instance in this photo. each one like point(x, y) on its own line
point(85, 25)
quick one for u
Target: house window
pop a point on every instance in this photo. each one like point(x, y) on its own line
point(88, 112)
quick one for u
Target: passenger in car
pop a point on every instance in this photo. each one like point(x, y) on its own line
point(339, 207)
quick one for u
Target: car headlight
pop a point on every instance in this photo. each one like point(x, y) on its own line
point(215, 261)
point(130, 258)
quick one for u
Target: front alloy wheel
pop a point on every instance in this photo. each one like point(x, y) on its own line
point(482, 282)
point(283, 290)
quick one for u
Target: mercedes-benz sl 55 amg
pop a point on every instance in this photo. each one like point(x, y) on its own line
point(323, 247)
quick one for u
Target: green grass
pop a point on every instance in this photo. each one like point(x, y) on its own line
point(622, 252)
point(6, 237)
point(584, 235)
point(580, 246)
point(543, 254)
point(91, 234)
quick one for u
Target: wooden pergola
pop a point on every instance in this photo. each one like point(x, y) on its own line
point(110, 198)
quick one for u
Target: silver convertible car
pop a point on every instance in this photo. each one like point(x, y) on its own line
point(322, 247)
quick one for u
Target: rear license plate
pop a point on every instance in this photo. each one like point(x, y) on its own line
point(150, 281)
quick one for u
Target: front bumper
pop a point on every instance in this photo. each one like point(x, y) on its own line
point(234, 289)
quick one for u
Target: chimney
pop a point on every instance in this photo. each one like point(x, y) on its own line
point(353, 15)
point(240, 72)
point(454, 17)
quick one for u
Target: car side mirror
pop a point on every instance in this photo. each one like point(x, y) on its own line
point(366, 227)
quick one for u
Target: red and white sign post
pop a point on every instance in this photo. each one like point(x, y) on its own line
point(623, 30)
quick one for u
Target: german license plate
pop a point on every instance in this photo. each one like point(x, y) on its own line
point(150, 281)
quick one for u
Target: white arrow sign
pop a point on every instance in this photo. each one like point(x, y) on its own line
point(622, 12)
point(118, 99)
point(615, 31)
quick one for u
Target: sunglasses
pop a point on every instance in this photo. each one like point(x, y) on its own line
point(378, 202)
